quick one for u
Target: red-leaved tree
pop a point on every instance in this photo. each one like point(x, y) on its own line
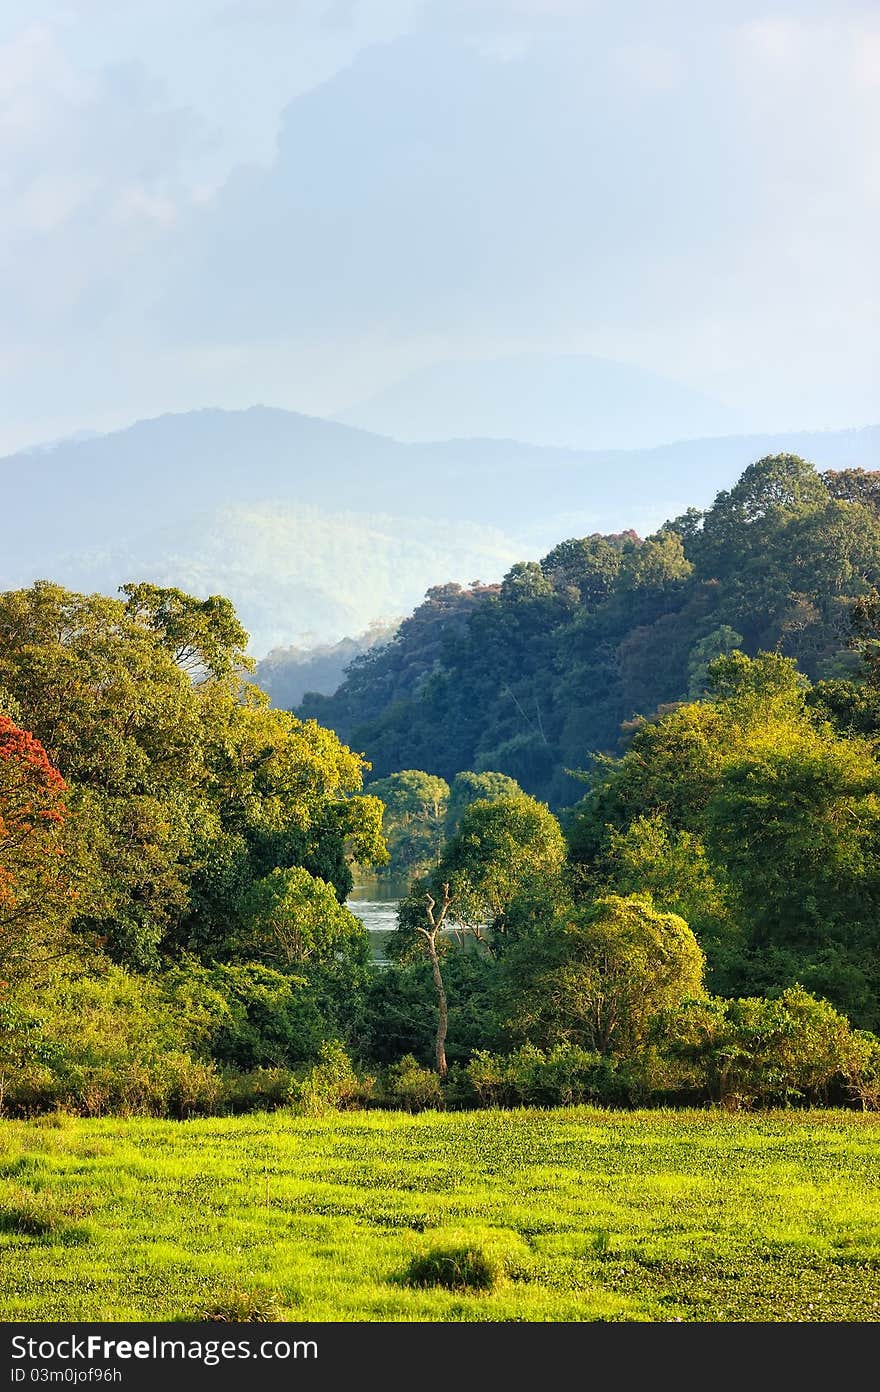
point(34, 895)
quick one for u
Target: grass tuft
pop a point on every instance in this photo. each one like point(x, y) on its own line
point(468, 1261)
point(244, 1307)
point(24, 1213)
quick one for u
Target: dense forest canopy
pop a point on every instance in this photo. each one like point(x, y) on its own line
point(531, 677)
point(183, 789)
point(702, 924)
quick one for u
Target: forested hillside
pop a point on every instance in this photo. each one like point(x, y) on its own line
point(286, 674)
point(533, 676)
point(315, 530)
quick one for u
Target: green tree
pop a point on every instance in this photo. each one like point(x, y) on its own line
point(601, 977)
point(415, 811)
point(793, 1048)
point(584, 570)
point(204, 636)
point(501, 848)
point(470, 787)
point(293, 919)
point(676, 870)
point(720, 641)
point(660, 561)
point(121, 722)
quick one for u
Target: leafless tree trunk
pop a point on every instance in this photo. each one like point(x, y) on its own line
point(436, 921)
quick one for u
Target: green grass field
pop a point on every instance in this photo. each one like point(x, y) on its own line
point(617, 1215)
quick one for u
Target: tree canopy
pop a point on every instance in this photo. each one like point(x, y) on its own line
point(184, 787)
point(531, 678)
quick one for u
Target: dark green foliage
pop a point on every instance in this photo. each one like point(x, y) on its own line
point(529, 679)
point(271, 1021)
point(399, 1015)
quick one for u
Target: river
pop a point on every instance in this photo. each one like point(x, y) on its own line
point(375, 904)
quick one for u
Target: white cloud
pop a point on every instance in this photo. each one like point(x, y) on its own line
point(671, 184)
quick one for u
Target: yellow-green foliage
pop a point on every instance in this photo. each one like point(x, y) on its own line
point(330, 1084)
point(692, 1215)
point(114, 1042)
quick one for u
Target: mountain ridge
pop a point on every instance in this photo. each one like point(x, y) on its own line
point(220, 500)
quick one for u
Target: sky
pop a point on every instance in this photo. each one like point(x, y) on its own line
point(300, 202)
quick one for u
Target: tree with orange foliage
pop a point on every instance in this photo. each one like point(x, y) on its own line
point(34, 894)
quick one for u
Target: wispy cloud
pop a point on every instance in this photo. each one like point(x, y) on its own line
point(293, 201)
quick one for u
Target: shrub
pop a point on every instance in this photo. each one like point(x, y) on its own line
point(411, 1087)
point(792, 1049)
point(331, 1084)
point(531, 1077)
point(112, 1042)
point(864, 1081)
point(262, 1089)
point(271, 1020)
point(192, 1088)
point(244, 1307)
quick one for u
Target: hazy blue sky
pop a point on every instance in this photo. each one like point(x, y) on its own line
point(299, 201)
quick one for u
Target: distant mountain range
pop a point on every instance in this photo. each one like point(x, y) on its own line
point(288, 673)
point(315, 529)
point(568, 402)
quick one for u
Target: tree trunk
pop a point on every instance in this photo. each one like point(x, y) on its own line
point(430, 936)
point(442, 1011)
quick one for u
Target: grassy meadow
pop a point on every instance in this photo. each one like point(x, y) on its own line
point(608, 1216)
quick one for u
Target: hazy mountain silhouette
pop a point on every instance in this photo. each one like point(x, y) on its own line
point(570, 402)
point(315, 528)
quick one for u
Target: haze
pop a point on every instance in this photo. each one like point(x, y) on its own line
point(308, 204)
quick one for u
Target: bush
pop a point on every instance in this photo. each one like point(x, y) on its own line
point(469, 1261)
point(331, 1084)
point(260, 1090)
point(531, 1077)
point(793, 1049)
point(191, 1088)
point(243, 1307)
point(112, 1042)
point(864, 1081)
point(270, 1020)
point(411, 1087)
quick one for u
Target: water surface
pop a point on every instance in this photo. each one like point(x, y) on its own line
point(375, 904)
